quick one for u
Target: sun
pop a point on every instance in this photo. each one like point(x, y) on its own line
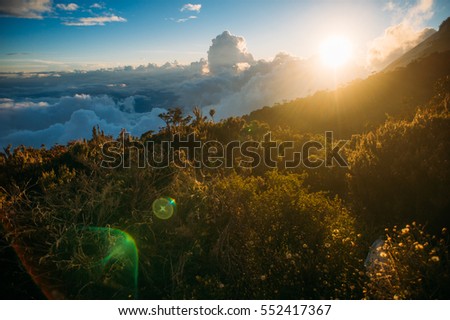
point(335, 51)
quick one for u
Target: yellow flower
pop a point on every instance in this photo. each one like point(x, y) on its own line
point(419, 247)
point(405, 230)
point(435, 259)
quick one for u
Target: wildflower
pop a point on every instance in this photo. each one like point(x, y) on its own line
point(419, 247)
point(263, 277)
point(435, 259)
point(327, 245)
point(305, 246)
point(405, 230)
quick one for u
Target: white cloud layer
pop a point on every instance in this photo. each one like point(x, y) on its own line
point(33, 9)
point(401, 37)
point(73, 117)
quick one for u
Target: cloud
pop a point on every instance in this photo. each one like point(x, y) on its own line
point(191, 7)
point(17, 53)
point(226, 52)
point(401, 37)
point(67, 7)
point(96, 6)
point(396, 41)
point(95, 21)
point(419, 13)
point(68, 104)
point(389, 6)
point(72, 118)
point(186, 19)
point(32, 9)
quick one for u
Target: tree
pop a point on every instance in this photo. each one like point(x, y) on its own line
point(212, 112)
point(175, 122)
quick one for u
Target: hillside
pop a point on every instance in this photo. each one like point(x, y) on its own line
point(438, 42)
point(255, 207)
point(363, 104)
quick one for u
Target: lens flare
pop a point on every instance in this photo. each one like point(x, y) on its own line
point(164, 208)
point(111, 264)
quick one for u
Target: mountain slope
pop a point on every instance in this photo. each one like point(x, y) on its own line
point(363, 104)
point(438, 42)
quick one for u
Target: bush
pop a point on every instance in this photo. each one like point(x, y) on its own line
point(412, 264)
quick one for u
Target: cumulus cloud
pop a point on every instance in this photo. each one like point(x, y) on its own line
point(67, 7)
point(191, 7)
point(94, 21)
point(32, 9)
point(403, 36)
point(226, 52)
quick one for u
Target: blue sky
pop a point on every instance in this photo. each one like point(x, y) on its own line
point(53, 37)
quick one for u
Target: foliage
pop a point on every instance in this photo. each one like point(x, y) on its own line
point(362, 105)
point(259, 233)
point(412, 265)
point(405, 164)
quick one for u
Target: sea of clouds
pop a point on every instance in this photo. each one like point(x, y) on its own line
point(55, 108)
point(49, 108)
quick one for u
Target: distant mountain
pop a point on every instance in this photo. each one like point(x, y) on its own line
point(365, 104)
point(438, 42)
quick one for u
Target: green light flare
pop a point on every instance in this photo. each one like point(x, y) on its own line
point(164, 208)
